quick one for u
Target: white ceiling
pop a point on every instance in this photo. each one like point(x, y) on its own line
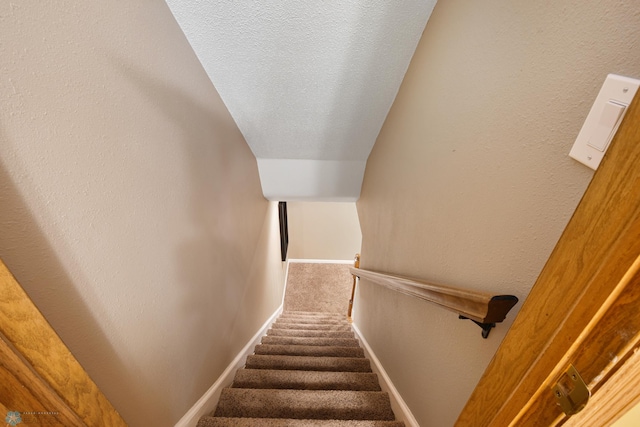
point(309, 83)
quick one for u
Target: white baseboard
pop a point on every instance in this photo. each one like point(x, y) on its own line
point(209, 400)
point(400, 408)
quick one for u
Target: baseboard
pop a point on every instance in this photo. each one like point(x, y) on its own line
point(400, 408)
point(209, 400)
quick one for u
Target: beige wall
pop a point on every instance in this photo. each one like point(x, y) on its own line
point(131, 209)
point(629, 419)
point(320, 230)
point(469, 183)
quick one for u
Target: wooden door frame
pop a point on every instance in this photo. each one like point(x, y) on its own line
point(566, 319)
point(39, 377)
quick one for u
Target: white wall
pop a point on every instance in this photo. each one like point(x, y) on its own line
point(470, 184)
point(131, 209)
point(308, 82)
point(323, 230)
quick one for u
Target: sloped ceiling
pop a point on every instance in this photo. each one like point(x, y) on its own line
point(309, 83)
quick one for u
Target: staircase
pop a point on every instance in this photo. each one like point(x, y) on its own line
point(309, 370)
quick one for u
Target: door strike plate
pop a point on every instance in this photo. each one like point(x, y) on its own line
point(571, 392)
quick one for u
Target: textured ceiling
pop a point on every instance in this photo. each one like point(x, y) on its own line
point(306, 81)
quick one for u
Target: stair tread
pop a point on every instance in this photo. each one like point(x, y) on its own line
point(307, 319)
point(342, 342)
point(309, 370)
point(306, 380)
point(304, 404)
point(308, 363)
point(312, 327)
point(319, 321)
point(309, 350)
point(319, 333)
point(312, 313)
point(209, 421)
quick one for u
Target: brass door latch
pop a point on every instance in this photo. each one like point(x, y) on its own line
point(571, 392)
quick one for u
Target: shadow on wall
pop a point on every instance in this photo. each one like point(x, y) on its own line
point(212, 265)
point(33, 260)
point(227, 212)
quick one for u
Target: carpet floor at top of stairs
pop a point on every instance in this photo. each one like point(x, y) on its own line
point(309, 370)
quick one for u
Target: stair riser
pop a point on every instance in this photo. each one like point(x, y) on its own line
point(309, 333)
point(309, 350)
point(336, 316)
point(312, 321)
point(310, 313)
point(310, 326)
point(302, 363)
point(278, 422)
point(305, 404)
point(305, 380)
point(338, 342)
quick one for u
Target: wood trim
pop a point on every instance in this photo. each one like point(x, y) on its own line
point(23, 389)
point(49, 369)
point(608, 340)
point(617, 396)
point(589, 273)
point(478, 306)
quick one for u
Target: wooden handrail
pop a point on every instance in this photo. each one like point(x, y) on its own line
point(484, 309)
point(356, 264)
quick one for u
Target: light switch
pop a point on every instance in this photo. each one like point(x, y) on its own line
point(609, 117)
point(603, 120)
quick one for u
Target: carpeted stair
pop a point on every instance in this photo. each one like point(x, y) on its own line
point(309, 370)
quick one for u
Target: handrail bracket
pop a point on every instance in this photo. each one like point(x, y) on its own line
point(486, 327)
point(483, 309)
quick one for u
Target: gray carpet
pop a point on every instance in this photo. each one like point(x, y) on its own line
point(309, 370)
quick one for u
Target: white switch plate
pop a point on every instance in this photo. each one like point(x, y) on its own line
point(616, 90)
